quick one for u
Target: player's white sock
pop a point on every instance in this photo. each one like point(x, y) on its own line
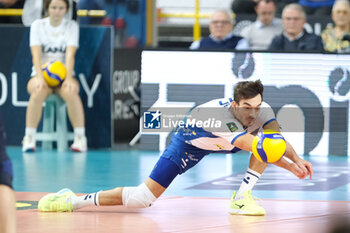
point(30, 131)
point(85, 200)
point(79, 131)
point(249, 180)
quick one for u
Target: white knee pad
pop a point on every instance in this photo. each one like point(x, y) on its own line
point(139, 197)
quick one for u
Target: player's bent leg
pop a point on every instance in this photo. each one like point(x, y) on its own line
point(145, 193)
point(242, 202)
point(256, 168)
point(163, 173)
point(245, 205)
point(141, 196)
point(256, 165)
point(66, 201)
point(138, 197)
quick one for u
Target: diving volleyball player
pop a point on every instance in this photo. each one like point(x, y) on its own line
point(242, 118)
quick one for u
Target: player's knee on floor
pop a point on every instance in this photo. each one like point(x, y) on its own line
point(139, 197)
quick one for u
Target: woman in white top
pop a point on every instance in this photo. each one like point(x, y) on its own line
point(54, 38)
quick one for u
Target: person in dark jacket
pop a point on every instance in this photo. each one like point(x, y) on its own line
point(294, 37)
point(221, 34)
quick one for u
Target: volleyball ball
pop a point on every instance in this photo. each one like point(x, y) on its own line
point(269, 146)
point(54, 73)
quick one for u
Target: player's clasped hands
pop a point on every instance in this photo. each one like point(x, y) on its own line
point(302, 169)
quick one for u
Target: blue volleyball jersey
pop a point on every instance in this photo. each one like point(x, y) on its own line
point(220, 139)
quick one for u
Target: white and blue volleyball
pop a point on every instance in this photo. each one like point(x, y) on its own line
point(54, 73)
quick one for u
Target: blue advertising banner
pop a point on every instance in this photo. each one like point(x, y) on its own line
point(92, 69)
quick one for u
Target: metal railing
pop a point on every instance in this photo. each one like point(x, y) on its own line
point(196, 16)
point(80, 13)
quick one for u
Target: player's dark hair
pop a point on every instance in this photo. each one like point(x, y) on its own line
point(48, 2)
point(247, 90)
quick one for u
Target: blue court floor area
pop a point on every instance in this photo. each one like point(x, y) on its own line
point(217, 175)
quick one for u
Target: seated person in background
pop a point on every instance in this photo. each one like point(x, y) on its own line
point(8, 3)
point(244, 6)
point(260, 33)
point(12, 4)
point(221, 34)
point(54, 38)
point(247, 6)
point(317, 7)
point(294, 37)
point(336, 38)
point(33, 9)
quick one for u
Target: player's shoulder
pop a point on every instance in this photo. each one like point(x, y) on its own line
point(266, 113)
point(265, 105)
point(265, 108)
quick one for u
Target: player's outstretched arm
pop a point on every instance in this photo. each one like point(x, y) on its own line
point(244, 142)
point(305, 166)
point(300, 169)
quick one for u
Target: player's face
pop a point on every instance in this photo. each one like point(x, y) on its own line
point(247, 110)
point(57, 10)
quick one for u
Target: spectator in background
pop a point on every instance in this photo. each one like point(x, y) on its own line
point(7, 3)
point(244, 6)
point(13, 4)
point(221, 34)
point(317, 7)
point(54, 38)
point(34, 9)
point(336, 38)
point(294, 36)
point(260, 33)
point(247, 6)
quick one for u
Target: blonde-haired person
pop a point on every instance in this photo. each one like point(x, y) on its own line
point(336, 37)
point(54, 38)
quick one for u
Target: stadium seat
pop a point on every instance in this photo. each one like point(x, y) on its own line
point(55, 126)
